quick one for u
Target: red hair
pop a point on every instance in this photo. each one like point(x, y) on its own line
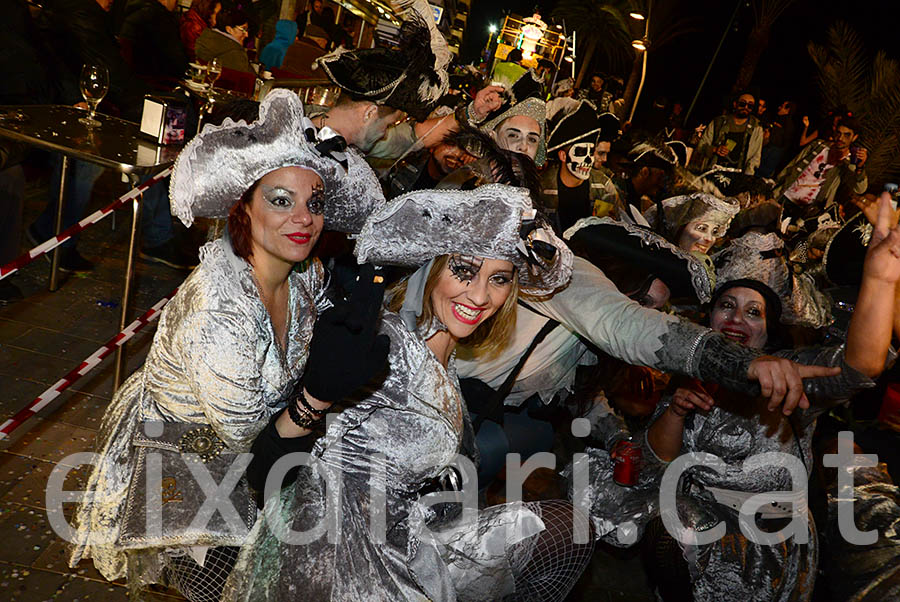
point(239, 226)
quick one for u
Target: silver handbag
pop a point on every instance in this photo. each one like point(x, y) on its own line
point(182, 503)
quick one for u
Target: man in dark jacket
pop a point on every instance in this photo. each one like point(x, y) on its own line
point(152, 35)
point(80, 32)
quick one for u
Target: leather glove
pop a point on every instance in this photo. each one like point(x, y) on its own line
point(346, 352)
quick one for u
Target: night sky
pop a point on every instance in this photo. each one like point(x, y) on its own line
point(785, 70)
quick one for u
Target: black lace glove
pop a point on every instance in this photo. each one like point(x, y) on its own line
point(346, 352)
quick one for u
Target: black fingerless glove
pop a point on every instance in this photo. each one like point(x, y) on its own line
point(345, 352)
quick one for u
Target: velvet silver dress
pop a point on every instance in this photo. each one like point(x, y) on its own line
point(383, 448)
point(214, 360)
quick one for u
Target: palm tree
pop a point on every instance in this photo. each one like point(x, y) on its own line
point(765, 13)
point(600, 29)
point(868, 87)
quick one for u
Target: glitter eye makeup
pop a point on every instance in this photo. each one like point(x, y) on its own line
point(278, 199)
point(465, 267)
point(316, 202)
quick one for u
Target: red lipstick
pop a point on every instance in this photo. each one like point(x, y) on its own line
point(300, 238)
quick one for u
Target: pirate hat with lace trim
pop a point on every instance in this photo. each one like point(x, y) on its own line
point(761, 258)
point(678, 211)
point(222, 162)
point(493, 221)
point(581, 124)
point(684, 273)
point(411, 77)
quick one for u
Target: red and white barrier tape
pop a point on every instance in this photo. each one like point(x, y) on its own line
point(7, 428)
point(47, 246)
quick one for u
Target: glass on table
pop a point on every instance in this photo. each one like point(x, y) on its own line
point(94, 86)
point(215, 70)
point(197, 73)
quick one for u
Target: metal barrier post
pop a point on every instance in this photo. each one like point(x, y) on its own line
point(57, 223)
point(126, 293)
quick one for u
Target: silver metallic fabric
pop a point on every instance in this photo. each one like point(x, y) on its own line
point(221, 163)
point(864, 573)
point(485, 222)
point(382, 448)
point(761, 257)
point(733, 568)
point(214, 360)
point(590, 307)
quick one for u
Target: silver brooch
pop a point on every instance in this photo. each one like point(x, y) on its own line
point(202, 441)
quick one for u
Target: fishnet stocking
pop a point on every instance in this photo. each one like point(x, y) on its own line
point(546, 567)
point(200, 583)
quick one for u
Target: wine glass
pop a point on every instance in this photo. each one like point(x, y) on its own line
point(94, 86)
point(215, 70)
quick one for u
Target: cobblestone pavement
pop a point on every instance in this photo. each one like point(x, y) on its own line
point(47, 335)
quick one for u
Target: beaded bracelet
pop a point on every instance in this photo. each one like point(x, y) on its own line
point(304, 419)
point(305, 405)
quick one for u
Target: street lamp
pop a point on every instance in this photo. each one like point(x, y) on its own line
point(641, 45)
point(492, 29)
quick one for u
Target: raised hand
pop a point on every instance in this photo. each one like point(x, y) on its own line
point(487, 100)
point(346, 352)
point(883, 255)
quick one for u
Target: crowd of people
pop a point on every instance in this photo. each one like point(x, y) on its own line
point(449, 274)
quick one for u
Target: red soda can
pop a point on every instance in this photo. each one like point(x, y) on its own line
point(627, 457)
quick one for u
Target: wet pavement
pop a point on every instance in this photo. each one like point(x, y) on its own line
point(48, 334)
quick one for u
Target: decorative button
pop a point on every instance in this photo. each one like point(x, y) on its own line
point(202, 441)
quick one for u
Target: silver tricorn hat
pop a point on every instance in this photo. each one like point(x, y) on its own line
point(223, 161)
point(495, 221)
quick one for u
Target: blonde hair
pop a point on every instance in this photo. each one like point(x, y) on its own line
point(489, 338)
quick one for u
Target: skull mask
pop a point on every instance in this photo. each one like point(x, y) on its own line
point(580, 160)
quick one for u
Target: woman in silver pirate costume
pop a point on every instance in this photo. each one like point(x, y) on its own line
point(756, 291)
point(695, 221)
point(478, 247)
point(232, 344)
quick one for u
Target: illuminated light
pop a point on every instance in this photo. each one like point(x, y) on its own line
point(492, 29)
point(637, 15)
point(568, 59)
point(532, 33)
point(559, 27)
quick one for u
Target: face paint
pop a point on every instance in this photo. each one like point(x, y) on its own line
point(280, 199)
point(283, 225)
point(699, 235)
point(465, 267)
point(580, 160)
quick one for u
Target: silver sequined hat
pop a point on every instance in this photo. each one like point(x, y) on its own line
point(761, 257)
point(222, 162)
point(494, 221)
